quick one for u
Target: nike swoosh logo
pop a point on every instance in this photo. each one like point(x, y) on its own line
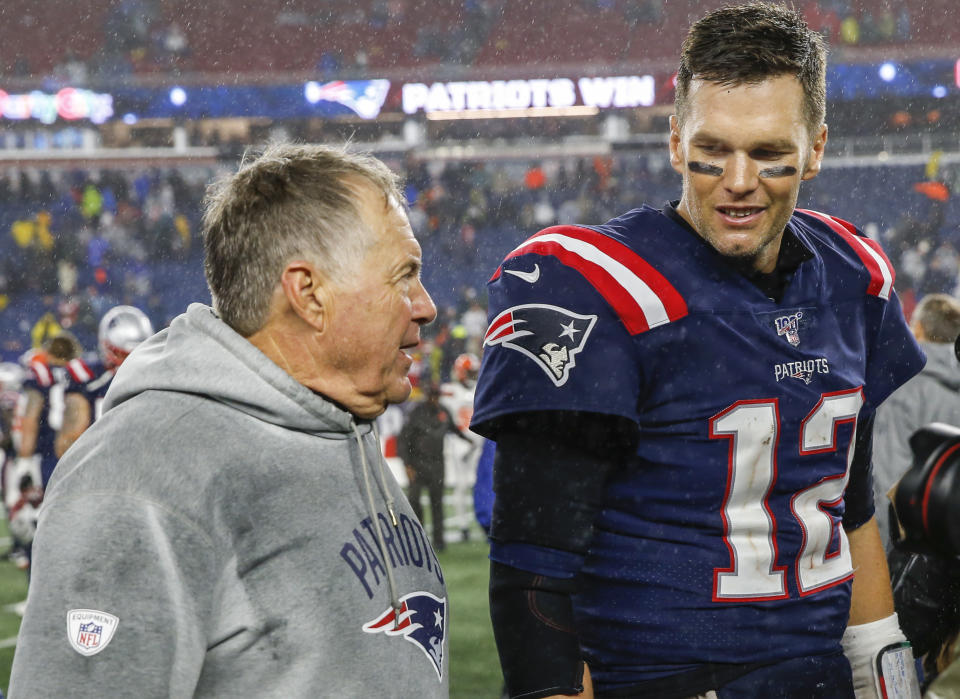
point(530, 277)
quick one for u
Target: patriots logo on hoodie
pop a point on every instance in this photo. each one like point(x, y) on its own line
point(422, 620)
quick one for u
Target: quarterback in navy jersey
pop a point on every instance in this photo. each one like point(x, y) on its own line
point(683, 399)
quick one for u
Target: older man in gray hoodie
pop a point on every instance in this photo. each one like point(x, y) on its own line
point(228, 527)
point(933, 395)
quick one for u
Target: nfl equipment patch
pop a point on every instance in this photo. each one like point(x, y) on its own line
point(89, 630)
point(549, 335)
point(422, 620)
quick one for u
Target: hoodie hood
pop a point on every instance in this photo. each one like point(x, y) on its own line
point(200, 354)
point(942, 363)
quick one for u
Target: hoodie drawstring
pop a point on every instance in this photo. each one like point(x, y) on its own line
point(394, 600)
point(387, 495)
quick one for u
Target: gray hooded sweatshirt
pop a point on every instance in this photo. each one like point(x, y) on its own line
point(223, 531)
point(933, 395)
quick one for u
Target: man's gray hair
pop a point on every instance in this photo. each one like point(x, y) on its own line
point(938, 316)
point(291, 201)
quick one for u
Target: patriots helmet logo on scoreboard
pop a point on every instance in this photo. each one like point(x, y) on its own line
point(549, 335)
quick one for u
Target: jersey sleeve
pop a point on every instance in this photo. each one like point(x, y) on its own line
point(894, 356)
point(556, 341)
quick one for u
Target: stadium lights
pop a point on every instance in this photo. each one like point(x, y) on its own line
point(69, 103)
point(939, 92)
point(888, 72)
point(313, 92)
point(178, 96)
point(530, 112)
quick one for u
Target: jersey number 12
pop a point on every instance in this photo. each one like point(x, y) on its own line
point(750, 529)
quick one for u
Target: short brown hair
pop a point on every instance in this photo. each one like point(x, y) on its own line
point(63, 347)
point(750, 43)
point(938, 316)
point(291, 200)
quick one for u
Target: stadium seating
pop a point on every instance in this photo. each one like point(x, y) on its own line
point(462, 247)
point(275, 36)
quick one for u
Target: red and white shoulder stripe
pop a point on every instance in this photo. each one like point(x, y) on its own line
point(79, 370)
point(869, 251)
point(638, 293)
point(41, 373)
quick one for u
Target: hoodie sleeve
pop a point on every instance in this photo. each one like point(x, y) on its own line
point(120, 599)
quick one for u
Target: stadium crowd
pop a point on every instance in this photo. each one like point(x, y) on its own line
point(123, 40)
point(77, 242)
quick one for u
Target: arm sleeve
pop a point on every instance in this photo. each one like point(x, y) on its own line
point(549, 474)
point(858, 498)
point(550, 471)
point(534, 629)
point(129, 558)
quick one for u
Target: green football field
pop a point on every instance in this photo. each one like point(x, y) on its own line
point(13, 590)
point(474, 670)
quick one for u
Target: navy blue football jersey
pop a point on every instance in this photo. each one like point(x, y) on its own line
point(722, 541)
point(95, 389)
point(53, 383)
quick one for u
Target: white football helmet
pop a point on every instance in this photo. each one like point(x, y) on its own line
point(121, 329)
point(11, 376)
point(11, 379)
point(466, 367)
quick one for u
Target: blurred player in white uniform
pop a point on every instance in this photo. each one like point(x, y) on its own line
point(11, 382)
point(461, 456)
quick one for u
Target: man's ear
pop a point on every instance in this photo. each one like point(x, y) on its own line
point(304, 288)
point(676, 157)
point(817, 148)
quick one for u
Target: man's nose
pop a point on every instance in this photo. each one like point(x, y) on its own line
point(740, 174)
point(424, 309)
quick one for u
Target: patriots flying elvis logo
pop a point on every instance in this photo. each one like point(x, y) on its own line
point(364, 97)
point(422, 620)
point(549, 335)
